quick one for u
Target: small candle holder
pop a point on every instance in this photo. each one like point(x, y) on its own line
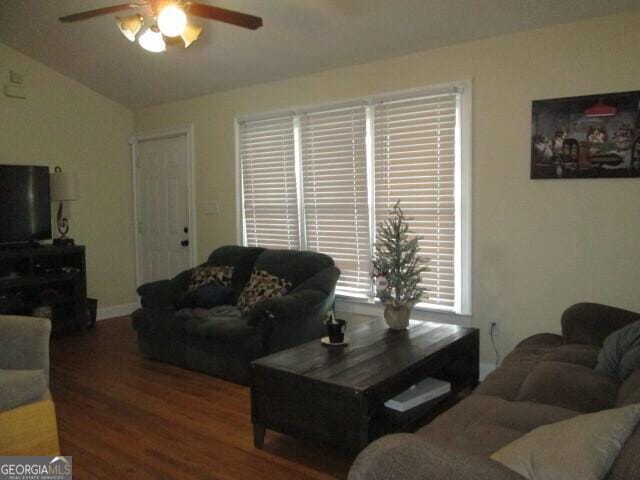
point(335, 328)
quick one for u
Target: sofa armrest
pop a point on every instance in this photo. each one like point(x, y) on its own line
point(542, 340)
point(410, 457)
point(324, 281)
point(24, 343)
point(164, 293)
point(591, 323)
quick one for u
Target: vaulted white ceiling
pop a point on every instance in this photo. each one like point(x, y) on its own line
point(298, 37)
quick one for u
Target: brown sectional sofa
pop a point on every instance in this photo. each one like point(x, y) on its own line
point(546, 379)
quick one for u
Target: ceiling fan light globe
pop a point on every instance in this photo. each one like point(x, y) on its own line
point(190, 34)
point(172, 21)
point(152, 41)
point(129, 26)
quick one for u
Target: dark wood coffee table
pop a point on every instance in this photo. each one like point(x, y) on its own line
point(336, 395)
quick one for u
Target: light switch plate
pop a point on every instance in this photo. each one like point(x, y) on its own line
point(16, 77)
point(211, 208)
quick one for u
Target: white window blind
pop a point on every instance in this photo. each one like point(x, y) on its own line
point(322, 179)
point(335, 198)
point(269, 197)
point(415, 154)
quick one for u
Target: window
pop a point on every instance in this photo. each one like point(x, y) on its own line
point(336, 204)
point(270, 202)
point(320, 179)
point(415, 150)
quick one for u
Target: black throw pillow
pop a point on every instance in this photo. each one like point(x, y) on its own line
point(208, 296)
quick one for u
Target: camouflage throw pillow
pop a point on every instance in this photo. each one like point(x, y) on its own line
point(261, 285)
point(208, 275)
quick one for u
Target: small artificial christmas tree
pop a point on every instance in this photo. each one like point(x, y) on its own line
point(397, 268)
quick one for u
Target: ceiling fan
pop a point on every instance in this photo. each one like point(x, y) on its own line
point(166, 21)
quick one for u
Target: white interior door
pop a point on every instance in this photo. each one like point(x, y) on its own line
point(163, 201)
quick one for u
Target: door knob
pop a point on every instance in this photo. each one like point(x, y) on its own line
point(185, 229)
point(184, 243)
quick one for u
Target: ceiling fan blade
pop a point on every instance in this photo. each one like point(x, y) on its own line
point(227, 16)
point(99, 11)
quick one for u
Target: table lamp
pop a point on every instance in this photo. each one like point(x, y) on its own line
point(64, 187)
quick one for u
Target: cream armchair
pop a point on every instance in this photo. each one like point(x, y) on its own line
point(27, 414)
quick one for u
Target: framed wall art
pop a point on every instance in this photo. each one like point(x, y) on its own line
point(594, 136)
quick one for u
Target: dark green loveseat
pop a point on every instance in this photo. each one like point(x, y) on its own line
point(225, 346)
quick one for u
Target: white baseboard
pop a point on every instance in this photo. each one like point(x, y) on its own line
point(486, 369)
point(117, 311)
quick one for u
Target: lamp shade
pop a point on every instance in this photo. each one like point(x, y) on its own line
point(190, 34)
point(63, 186)
point(152, 40)
point(130, 26)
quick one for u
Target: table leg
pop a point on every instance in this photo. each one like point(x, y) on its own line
point(363, 433)
point(258, 435)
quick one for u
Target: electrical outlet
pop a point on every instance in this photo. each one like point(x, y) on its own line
point(494, 327)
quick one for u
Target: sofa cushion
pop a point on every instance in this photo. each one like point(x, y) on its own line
point(627, 465)
point(208, 296)
point(224, 322)
point(569, 386)
point(152, 320)
point(620, 354)
point(261, 286)
point(583, 447)
point(19, 387)
point(629, 391)
point(292, 265)
point(505, 382)
point(210, 275)
point(403, 456)
point(586, 355)
point(529, 353)
point(482, 424)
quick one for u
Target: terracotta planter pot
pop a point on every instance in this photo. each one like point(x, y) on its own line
point(397, 317)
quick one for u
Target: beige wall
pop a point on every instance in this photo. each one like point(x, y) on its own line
point(62, 123)
point(538, 246)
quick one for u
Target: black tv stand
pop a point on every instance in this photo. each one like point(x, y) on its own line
point(20, 246)
point(45, 276)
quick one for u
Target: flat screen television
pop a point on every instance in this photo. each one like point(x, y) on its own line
point(25, 205)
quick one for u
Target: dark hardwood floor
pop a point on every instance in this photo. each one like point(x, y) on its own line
point(122, 416)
